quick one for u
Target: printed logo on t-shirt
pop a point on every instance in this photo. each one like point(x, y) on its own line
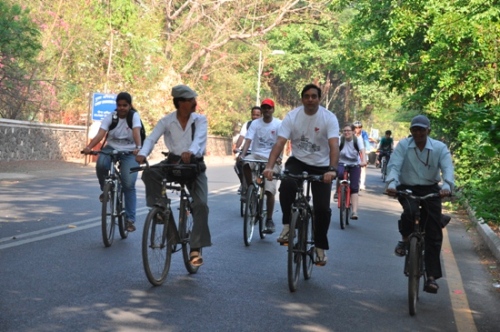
point(306, 145)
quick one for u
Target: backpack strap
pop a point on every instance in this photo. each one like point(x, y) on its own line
point(249, 123)
point(193, 128)
point(342, 142)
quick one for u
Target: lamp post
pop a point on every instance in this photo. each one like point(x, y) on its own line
point(259, 72)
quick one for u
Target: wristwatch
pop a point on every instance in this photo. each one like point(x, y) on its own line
point(332, 169)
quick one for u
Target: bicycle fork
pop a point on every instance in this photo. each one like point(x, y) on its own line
point(345, 183)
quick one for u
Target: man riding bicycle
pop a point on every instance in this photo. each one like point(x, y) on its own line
point(385, 147)
point(261, 136)
point(419, 163)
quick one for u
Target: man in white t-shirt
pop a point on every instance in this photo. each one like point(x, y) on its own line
point(314, 133)
point(262, 135)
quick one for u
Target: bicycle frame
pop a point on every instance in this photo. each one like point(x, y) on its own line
point(346, 183)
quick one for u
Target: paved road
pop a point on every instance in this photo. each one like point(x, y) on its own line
point(55, 274)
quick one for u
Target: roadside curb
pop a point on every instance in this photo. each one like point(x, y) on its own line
point(491, 239)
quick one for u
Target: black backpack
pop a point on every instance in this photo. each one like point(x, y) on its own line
point(130, 116)
point(342, 142)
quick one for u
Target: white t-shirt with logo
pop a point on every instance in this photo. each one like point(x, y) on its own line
point(121, 137)
point(263, 136)
point(309, 134)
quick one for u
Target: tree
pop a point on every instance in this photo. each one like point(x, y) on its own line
point(19, 46)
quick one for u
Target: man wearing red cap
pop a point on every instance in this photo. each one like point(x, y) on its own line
point(314, 133)
point(262, 135)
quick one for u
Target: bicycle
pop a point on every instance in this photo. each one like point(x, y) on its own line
point(344, 195)
point(383, 167)
point(301, 245)
point(241, 190)
point(414, 267)
point(254, 205)
point(113, 200)
point(162, 236)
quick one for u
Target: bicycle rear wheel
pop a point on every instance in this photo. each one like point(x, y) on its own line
point(250, 214)
point(307, 238)
point(108, 217)
point(121, 215)
point(156, 249)
point(413, 275)
point(294, 253)
point(344, 214)
point(185, 230)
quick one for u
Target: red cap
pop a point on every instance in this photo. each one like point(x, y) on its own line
point(267, 102)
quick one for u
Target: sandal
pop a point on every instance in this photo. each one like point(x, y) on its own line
point(195, 258)
point(354, 216)
point(400, 249)
point(320, 257)
point(431, 286)
point(130, 227)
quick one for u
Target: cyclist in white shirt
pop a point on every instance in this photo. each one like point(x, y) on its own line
point(262, 135)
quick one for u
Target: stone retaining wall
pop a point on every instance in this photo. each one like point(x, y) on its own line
point(24, 140)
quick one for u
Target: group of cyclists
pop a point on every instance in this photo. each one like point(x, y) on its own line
point(418, 163)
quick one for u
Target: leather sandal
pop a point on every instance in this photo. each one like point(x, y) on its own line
point(195, 258)
point(400, 249)
point(431, 286)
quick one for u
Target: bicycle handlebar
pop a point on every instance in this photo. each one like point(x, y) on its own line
point(164, 166)
point(409, 193)
point(304, 176)
point(114, 152)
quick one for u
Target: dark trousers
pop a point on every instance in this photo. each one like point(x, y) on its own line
point(320, 197)
point(430, 218)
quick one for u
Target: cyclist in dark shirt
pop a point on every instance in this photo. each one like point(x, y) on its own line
point(385, 147)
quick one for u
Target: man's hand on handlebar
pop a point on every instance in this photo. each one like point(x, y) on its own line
point(268, 173)
point(329, 176)
point(140, 159)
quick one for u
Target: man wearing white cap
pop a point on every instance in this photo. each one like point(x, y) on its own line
point(185, 135)
point(419, 163)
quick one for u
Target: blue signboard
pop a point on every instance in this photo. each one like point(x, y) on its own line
point(102, 105)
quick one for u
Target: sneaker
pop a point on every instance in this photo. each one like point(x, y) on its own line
point(269, 227)
point(362, 188)
point(321, 258)
point(283, 238)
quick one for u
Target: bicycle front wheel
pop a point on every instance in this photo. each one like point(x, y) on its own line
point(250, 215)
point(342, 206)
point(294, 252)
point(108, 216)
point(121, 215)
point(307, 238)
point(156, 251)
point(384, 169)
point(262, 212)
point(185, 231)
point(413, 275)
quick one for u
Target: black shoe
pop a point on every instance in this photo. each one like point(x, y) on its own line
point(270, 228)
point(400, 249)
point(431, 286)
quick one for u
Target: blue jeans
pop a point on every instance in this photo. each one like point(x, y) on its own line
point(102, 168)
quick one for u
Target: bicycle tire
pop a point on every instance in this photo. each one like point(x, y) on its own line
point(156, 249)
point(121, 215)
point(250, 215)
point(342, 208)
point(384, 168)
point(413, 275)
point(185, 231)
point(107, 215)
point(294, 255)
point(348, 206)
point(308, 243)
point(242, 208)
point(262, 215)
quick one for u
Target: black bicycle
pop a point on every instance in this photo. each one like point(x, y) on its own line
point(301, 234)
point(162, 236)
point(414, 267)
point(113, 200)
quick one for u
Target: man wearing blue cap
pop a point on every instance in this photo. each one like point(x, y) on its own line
point(185, 136)
point(419, 163)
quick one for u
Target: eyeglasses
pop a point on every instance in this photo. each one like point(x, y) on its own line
point(347, 130)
